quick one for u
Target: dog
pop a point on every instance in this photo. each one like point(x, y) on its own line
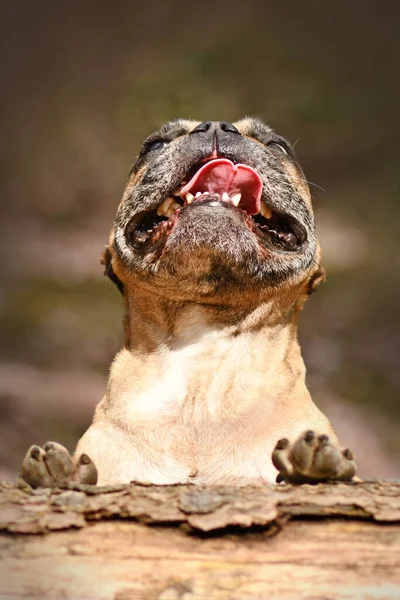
point(215, 251)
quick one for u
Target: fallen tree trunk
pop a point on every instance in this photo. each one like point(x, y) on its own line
point(187, 542)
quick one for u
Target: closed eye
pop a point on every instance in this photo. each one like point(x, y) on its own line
point(155, 145)
point(279, 146)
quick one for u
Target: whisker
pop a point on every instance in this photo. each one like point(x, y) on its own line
point(309, 182)
point(316, 185)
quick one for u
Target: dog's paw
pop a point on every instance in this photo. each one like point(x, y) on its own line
point(312, 458)
point(52, 466)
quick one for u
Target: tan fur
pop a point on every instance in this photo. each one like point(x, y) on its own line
point(189, 400)
point(201, 393)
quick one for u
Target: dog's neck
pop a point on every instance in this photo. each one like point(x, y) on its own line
point(216, 347)
point(153, 321)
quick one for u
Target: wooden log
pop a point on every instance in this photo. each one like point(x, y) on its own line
point(130, 542)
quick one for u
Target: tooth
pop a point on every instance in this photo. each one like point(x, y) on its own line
point(175, 206)
point(170, 211)
point(197, 194)
point(236, 199)
point(189, 197)
point(265, 210)
point(225, 197)
point(206, 193)
point(162, 209)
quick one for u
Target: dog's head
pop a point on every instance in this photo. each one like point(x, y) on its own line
point(214, 211)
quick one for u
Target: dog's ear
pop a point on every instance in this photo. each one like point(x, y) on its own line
point(317, 278)
point(311, 286)
point(106, 258)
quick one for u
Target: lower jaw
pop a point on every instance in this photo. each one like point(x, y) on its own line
point(280, 242)
point(163, 231)
point(278, 232)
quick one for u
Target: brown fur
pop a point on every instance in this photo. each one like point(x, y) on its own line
point(211, 374)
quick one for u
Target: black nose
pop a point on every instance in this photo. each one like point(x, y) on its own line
point(215, 125)
point(228, 127)
point(205, 126)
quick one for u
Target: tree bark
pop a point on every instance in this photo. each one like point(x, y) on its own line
point(329, 541)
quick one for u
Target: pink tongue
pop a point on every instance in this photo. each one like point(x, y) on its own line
point(221, 175)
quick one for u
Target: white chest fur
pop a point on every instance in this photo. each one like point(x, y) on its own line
point(206, 407)
point(199, 412)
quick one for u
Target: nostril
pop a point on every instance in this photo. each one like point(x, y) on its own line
point(228, 127)
point(205, 126)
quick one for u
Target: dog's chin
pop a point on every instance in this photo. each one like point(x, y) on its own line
point(211, 249)
point(212, 220)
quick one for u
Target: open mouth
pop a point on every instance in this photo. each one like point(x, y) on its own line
point(216, 182)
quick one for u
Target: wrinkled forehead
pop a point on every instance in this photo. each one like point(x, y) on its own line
point(250, 127)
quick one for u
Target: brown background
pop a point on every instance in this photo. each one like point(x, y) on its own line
point(83, 83)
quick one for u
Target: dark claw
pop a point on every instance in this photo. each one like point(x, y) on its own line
point(282, 444)
point(309, 436)
point(280, 459)
point(84, 459)
point(35, 452)
point(34, 470)
point(86, 471)
point(323, 439)
point(347, 453)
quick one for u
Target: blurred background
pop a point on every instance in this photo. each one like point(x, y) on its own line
point(84, 83)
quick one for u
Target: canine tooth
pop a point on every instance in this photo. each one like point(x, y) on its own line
point(265, 211)
point(189, 197)
point(197, 194)
point(225, 197)
point(236, 199)
point(162, 209)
